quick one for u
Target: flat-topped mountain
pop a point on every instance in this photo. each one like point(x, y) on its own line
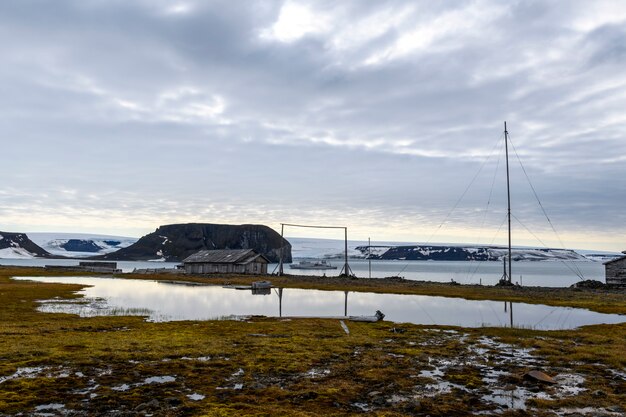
point(466, 253)
point(19, 246)
point(175, 242)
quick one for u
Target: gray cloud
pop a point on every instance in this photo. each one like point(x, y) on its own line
point(118, 116)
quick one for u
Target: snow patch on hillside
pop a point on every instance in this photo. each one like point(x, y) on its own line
point(310, 248)
point(15, 253)
point(55, 242)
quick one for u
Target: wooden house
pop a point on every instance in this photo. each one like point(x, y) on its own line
point(226, 261)
point(615, 272)
point(106, 267)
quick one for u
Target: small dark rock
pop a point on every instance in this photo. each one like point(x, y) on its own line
point(538, 376)
point(148, 406)
point(173, 401)
point(615, 409)
point(397, 330)
point(379, 401)
point(311, 395)
point(589, 283)
point(412, 406)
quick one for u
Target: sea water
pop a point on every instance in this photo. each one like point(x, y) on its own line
point(528, 273)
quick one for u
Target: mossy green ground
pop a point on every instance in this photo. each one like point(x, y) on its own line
point(268, 367)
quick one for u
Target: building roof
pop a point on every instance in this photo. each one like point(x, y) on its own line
point(621, 258)
point(225, 256)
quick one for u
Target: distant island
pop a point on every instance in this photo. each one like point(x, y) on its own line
point(175, 242)
point(465, 253)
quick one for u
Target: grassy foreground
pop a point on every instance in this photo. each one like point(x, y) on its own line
point(65, 365)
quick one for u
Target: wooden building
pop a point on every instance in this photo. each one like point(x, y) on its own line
point(106, 267)
point(615, 272)
point(226, 261)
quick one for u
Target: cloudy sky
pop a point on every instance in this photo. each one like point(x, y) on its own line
point(119, 116)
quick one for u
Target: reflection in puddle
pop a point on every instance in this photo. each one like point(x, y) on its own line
point(160, 301)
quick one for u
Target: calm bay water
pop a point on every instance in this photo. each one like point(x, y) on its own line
point(170, 302)
point(125, 266)
point(528, 273)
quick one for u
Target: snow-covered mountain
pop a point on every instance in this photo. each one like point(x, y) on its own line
point(469, 253)
point(77, 245)
point(80, 245)
point(331, 248)
point(19, 246)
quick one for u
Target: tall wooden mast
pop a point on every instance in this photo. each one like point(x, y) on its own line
point(508, 193)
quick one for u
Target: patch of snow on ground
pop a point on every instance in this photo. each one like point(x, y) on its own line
point(159, 379)
point(123, 387)
point(53, 406)
point(29, 372)
point(15, 253)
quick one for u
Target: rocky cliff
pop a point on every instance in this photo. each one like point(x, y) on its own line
point(175, 242)
point(18, 245)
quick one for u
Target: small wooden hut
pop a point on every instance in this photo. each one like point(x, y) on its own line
point(615, 272)
point(226, 261)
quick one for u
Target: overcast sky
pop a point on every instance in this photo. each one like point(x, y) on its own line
point(119, 116)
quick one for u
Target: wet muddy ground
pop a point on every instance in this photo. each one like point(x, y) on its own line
point(403, 371)
point(64, 365)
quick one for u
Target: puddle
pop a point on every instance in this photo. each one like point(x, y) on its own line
point(362, 406)
point(196, 397)
point(159, 380)
point(317, 373)
point(499, 367)
point(160, 301)
point(53, 407)
point(443, 387)
point(147, 381)
point(514, 398)
point(588, 411)
point(50, 410)
point(33, 372)
point(36, 372)
point(234, 387)
point(199, 358)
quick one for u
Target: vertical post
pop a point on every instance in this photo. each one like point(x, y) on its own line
point(345, 305)
point(508, 193)
point(280, 302)
point(282, 248)
point(346, 267)
point(511, 312)
point(369, 255)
